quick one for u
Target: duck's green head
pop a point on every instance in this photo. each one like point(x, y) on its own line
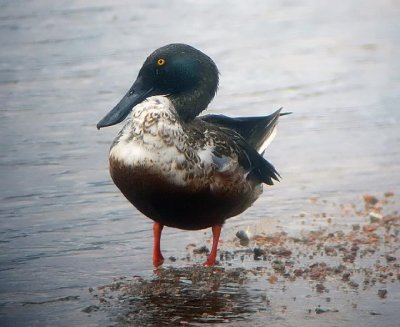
point(186, 75)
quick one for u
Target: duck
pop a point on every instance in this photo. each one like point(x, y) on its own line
point(180, 169)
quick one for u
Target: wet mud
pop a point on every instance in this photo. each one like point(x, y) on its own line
point(352, 273)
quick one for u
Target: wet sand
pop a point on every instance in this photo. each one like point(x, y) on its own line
point(322, 274)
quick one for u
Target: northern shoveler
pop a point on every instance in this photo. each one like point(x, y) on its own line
point(179, 169)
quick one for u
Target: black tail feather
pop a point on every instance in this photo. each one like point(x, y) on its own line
point(255, 130)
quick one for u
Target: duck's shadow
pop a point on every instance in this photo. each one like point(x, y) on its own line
point(182, 295)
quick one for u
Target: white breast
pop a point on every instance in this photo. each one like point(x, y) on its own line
point(152, 137)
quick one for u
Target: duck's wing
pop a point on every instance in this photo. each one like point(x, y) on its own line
point(249, 159)
point(257, 131)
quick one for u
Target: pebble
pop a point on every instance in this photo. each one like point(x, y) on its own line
point(353, 284)
point(258, 253)
point(278, 266)
point(375, 217)
point(390, 258)
point(320, 287)
point(244, 238)
point(346, 276)
point(370, 228)
point(201, 250)
point(91, 308)
point(320, 310)
point(330, 250)
point(382, 293)
point(370, 199)
point(272, 279)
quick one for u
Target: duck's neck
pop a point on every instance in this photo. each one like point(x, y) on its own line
point(190, 103)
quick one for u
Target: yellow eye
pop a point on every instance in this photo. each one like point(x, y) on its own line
point(161, 62)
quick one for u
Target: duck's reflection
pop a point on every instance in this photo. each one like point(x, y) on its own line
point(179, 295)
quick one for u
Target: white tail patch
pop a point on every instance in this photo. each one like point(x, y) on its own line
point(268, 141)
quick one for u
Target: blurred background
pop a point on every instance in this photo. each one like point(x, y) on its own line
point(65, 227)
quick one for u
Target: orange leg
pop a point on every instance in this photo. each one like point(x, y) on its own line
point(216, 230)
point(158, 259)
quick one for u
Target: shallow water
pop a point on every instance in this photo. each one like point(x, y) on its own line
point(63, 65)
